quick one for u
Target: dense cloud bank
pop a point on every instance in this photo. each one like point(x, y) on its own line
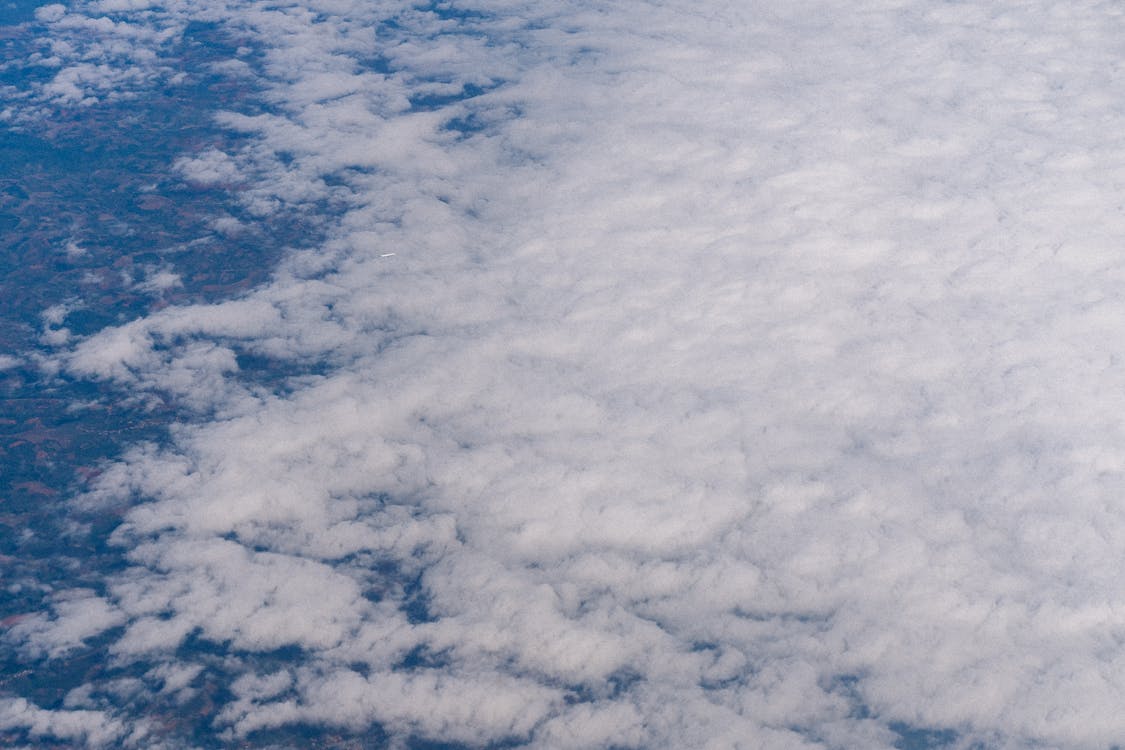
point(679, 374)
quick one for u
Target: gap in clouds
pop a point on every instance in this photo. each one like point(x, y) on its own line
point(13, 12)
point(96, 211)
point(89, 674)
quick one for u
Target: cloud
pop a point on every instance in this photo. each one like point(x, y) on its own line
point(740, 377)
point(158, 281)
point(78, 615)
point(211, 167)
point(91, 728)
point(106, 59)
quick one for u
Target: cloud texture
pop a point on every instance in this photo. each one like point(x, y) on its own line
point(673, 374)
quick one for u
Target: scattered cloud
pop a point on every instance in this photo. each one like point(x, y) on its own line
point(90, 728)
point(742, 376)
point(157, 281)
point(78, 615)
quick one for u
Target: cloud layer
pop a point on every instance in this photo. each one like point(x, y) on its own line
point(673, 375)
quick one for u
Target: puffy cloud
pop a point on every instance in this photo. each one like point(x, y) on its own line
point(78, 615)
point(90, 728)
point(99, 58)
point(51, 12)
point(675, 375)
point(211, 167)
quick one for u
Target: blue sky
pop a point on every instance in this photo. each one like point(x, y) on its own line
point(668, 374)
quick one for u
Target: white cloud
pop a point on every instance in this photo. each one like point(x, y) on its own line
point(749, 378)
point(48, 13)
point(211, 167)
point(77, 616)
point(118, 6)
point(73, 250)
point(98, 58)
point(91, 728)
point(157, 281)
